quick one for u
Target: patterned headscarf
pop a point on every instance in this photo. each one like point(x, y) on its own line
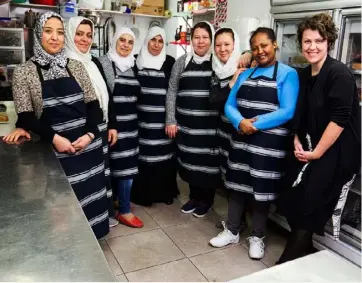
point(56, 62)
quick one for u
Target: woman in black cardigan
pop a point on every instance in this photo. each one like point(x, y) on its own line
point(327, 138)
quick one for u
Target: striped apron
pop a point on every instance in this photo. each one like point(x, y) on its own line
point(124, 154)
point(155, 145)
point(64, 111)
point(198, 154)
point(103, 131)
point(224, 133)
point(256, 162)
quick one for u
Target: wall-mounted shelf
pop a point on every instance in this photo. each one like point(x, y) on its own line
point(126, 14)
point(204, 12)
point(35, 6)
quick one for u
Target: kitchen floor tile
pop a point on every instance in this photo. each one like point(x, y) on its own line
point(176, 271)
point(112, 261)
point(145, 249)
point(226, 264)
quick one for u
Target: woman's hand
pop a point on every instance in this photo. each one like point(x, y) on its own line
point(15, 135)
point(112, 136)
point(235, 77)
point(82, 142)
point(63, 145)
point(244, 60)
point(307, 156)
point(246, 126)
point(171, 131)
point(297, 144)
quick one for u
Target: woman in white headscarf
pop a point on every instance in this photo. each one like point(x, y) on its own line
point(79, 38)
point(156, 181)
point(189, 114)
point(118, 66)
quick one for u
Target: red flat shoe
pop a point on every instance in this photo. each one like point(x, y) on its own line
point(135, 222)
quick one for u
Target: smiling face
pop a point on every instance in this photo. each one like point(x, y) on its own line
point(263, 49)
point(155, 45)
point(224, 46)
point(83, 38)
point(125, 45)
point(53, 37)
point(201, 41)
point(314, 46)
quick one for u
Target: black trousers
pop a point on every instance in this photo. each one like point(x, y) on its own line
point(204, 195)
point(236, 209)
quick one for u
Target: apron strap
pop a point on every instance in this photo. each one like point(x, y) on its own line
point(275, 71)
point(114, 69)
point(41, 77)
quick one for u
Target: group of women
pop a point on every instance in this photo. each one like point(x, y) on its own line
point(132, 124)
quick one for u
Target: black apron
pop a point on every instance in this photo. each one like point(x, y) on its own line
point(155, 145)
point(103, 131)
point(198, 154)
point(256, 162)
point(224, 132)
point(124, 154)
point(64, 111)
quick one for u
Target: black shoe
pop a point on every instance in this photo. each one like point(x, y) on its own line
point(189, 206)
point(202, 210)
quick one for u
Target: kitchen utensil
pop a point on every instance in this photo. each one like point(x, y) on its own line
point(135, 28)
point(183, 36)
point(177, 33)
point(109, 31)
point(179, 6)
point(30, 17)
point(94, 16)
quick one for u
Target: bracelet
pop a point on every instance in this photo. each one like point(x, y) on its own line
point(89, 135)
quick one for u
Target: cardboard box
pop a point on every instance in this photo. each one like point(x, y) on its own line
point(156, 3)
point(149, 10)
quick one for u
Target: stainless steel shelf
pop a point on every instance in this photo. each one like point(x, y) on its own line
point(357, 72)
point(125, 14)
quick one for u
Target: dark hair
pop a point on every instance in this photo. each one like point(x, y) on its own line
point(268, 31)
point(204, 26)
point(224, 30)
point(87, 22)
point(321, 22)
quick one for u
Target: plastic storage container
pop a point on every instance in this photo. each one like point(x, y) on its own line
point(68, 10)
point(90, 4)
point(44, 2)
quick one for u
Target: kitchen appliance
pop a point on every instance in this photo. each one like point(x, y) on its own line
point(177, 33)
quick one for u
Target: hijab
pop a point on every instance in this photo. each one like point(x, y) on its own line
point(201, 59)
point(56, 62)
point(122, 63)
point(221, 69)
point(145, 59)
point(95, 75)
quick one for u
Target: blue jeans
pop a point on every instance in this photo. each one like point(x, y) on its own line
point(124, 195)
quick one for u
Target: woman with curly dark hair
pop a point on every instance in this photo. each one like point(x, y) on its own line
point(326, 137)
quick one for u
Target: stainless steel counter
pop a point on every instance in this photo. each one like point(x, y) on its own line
point(44, 235)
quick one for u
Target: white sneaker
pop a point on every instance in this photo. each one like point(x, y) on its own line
point(256, 247)
point(224, 238)
point(113, 222)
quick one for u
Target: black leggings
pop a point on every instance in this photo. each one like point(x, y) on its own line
point(300, 243)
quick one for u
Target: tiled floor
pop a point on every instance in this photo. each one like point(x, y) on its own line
point(174, 247)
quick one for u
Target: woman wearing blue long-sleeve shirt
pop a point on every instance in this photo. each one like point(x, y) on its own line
point(259, 106)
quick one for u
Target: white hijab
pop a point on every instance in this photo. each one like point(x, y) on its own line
point(145, 59)
point(95, 75)
point(222, 70)
point(196, 58)
point(122, 63)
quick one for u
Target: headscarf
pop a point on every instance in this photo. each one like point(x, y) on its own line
point(73, 52)
point(57, 62)
point(145, 59)
point(222, 70)
point(123, 63)
point(196, 58)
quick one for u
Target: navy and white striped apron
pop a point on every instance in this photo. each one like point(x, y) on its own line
point(256, 162)
point(155, 145)
point(224, 133)
point(64, 110)
point(124, 154)
point(198, 154)
point(103, 131)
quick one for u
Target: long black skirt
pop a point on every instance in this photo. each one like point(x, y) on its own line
point(155, 183)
